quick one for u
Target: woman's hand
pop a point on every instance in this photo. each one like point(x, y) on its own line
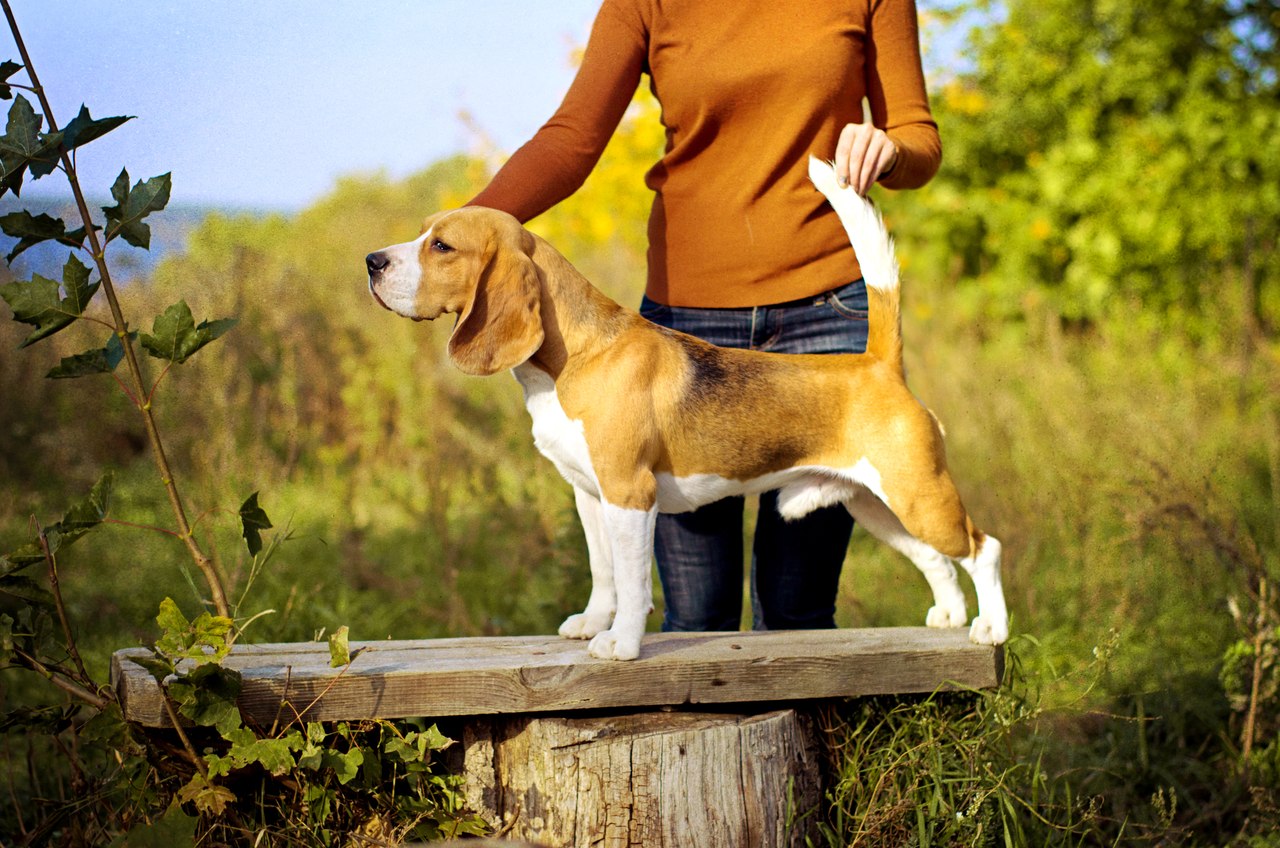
point(862, 155)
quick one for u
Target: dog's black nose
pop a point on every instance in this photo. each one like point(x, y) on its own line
point(375, 262)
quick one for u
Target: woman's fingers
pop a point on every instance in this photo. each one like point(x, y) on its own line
point(863, 153)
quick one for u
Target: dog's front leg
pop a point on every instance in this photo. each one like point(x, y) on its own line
point(630, 535)
point(603, 601)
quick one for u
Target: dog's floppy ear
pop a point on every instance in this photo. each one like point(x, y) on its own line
point(501, 326)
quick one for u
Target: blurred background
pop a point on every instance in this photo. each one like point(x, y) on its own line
point(1092, 308)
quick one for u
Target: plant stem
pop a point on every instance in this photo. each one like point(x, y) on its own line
point(1246, 745)
point(182, 734)
point(55, 587)
point(58, 678)
point(207, 568)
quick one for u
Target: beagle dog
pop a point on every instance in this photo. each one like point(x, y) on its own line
point(642, 419)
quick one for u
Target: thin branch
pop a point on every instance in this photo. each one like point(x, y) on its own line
point(56, 588)
point(150, 527)
point(182, 734)
point(151, 394)
point(206, 566)
point(63, 681)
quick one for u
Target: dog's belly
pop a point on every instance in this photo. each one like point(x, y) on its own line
point(801, 489)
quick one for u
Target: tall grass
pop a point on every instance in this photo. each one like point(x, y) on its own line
point(1131, 474)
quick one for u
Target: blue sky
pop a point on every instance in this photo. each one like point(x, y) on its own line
point(263, 103)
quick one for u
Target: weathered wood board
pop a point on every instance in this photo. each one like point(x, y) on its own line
point(538, 674)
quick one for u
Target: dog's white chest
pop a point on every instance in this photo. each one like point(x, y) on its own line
point(556, 437)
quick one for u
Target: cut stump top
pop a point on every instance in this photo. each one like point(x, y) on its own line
point(532, 674)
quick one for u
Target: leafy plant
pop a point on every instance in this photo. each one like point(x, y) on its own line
point(236, 779)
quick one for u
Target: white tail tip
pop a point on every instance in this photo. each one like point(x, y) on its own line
point(870, 241)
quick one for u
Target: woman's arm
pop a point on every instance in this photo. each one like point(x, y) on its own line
point(555, 162)
point(906, 153)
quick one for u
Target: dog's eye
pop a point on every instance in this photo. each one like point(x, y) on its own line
point(441, 247)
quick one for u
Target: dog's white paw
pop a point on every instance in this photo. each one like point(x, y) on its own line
point(612, 645)
point(985, 631)
point(584, 625)
point(946, 616)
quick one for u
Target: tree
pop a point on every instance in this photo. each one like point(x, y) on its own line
point(1112, 150)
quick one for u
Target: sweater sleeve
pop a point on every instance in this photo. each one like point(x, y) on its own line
point(896, 91)
point(556, 161)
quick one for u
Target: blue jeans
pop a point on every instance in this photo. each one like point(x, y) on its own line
point(795, 565)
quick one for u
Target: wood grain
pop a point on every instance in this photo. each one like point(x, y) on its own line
point(657, 780)
point(538, 674)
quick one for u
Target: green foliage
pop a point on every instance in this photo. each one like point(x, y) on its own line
point(175, 337)
point(38, 302)
point(124, 220)
point(1099, 154)
point(254, 520)
point(1091, 306)
point(24, 148)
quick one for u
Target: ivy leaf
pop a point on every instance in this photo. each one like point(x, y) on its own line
point(345, 766)
point(175, 336)
point(7, 69)
point(84, 129)
point(339, 648)
point(208, 695)
point(30, 230)
point(254, 520)
point(37, 301)
point(208, 798)
point(132, 205)
point(101, 361)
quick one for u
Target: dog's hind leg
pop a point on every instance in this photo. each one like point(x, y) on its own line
point(603, 600)
point(948, 608)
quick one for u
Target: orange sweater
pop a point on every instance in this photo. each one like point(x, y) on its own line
point(749, 88)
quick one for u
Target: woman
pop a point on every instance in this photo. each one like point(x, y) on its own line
point(743, 252)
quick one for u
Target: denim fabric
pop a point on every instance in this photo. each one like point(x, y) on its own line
point(795, 566)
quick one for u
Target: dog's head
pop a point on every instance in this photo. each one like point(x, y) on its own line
point(478, 264)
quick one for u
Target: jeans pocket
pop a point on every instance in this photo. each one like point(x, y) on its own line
point(849, 307)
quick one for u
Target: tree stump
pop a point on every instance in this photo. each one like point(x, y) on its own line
point(655, 779)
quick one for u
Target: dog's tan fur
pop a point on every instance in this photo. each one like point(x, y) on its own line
point(653, 403)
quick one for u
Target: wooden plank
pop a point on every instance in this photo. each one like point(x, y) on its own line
point(530, 674)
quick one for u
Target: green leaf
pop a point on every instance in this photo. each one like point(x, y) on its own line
point(7, 69)
point(174, 829)
point(82, 517)
point(174, 335)
point(132, 205)
point(160, 667)
point(100, 361)
point(345, 766)
point(208, 797)
point(24, 147)
point(254, 520)
point(26, 589)
point(173, 624)
point(84, 129)
point(31, 230)
point(339, 649)
point(37, 301)
point(207, 696)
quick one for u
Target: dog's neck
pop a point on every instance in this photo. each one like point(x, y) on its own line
point(576, 317)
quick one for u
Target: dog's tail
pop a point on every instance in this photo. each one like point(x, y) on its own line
point(874, 249)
